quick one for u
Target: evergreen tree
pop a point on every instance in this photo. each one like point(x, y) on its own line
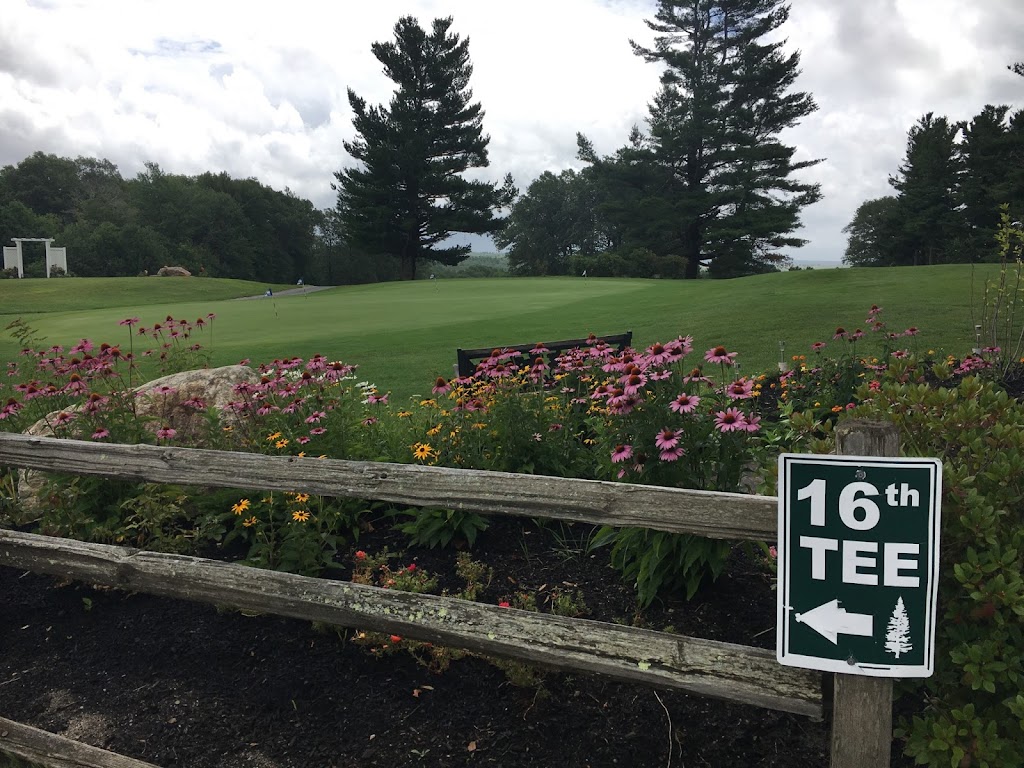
point(987, 153)
point(408, 193)
point(723, 179)
point(927, 182)
point(897, 633)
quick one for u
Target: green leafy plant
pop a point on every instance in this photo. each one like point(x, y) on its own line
point(974, 707)
point(442, 527)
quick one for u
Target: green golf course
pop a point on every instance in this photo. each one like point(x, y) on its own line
point(403, 335)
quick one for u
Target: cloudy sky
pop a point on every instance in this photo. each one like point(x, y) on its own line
point(258, 88)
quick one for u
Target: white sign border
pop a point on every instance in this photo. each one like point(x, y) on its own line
point(782, 653)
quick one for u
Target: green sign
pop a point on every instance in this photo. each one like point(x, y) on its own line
point(858, 564)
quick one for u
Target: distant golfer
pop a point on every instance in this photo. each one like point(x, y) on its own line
point(300, 282)
point(584, 273)
point(269, 294)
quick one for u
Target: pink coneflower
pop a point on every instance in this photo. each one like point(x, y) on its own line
point(163, 389)
point(369, 421)
point(441, 387)
point(840, 333)
point(195, 403)
point(730, 420)
point(539, 349)
point(166, 432)
point(753, 423)
point(83, 346)
point(741, 389)
point(685, 403)
point(63, 418)
point(302, 440)
point(667, 439)
point(818, 346)
point(661, 375)
point(99, 434)
point(622, 453)
point(911, 331)
point(633, 383)
point(899, 354)
point(672, 454)
point(315, 416)
point(128, 321)
point(317, 431)
point(658, 353)
point(858, 334)
point(719, 355)
point(373, 398)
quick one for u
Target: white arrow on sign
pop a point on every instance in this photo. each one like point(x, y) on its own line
point(830, 621)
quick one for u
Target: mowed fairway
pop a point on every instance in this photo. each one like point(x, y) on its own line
point(403, 335)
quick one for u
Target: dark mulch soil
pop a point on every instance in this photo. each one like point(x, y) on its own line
point(183, 684)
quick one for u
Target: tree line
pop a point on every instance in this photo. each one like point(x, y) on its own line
point(708, 183)
point(957, 183)
point(705, 185)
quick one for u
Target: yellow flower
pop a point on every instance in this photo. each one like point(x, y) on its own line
point(240, 507)
point(300, 515)
point(250, 522)
point(428, 402)
point(273, 436)
point(479, 425)
point(422, 451)
point(301, 454)
point(301, 498)
point(281, 444)
point(404, 414)
point(227, 429)
point(434, 430)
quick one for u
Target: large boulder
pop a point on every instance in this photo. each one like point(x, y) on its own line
point(178, 401)
point(173, 272)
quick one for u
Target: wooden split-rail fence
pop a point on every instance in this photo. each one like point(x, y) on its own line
point(861, 733)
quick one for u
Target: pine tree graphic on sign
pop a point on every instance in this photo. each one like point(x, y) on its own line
point(897, 634)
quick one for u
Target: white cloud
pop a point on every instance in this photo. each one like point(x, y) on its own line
point(259, 89)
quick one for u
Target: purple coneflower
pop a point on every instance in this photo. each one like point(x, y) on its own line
point(730, 420)
point(672, 454)
point(719, 355)
point(667, 439)
point(622, 453)
point(741, 389)
point(685, 403)
point(99, 434)
point(166, 432)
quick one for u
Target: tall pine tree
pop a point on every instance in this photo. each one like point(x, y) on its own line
point(407, 195)
point(927, 182)
point(728, 197)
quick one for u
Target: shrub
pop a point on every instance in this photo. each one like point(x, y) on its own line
point(975, 711)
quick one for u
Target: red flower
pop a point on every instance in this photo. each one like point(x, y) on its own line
point(360, 555)
point(504, 604)
point(396, 638)
point(411, 568)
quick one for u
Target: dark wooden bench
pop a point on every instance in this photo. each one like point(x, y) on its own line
point(468, 358)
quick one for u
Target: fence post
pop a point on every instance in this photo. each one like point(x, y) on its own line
point(862, 706)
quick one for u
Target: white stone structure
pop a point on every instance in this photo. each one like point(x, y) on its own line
point(55, 257)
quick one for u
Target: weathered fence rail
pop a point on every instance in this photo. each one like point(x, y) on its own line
point(715, 515)
point(23, 746)
point(705, 667)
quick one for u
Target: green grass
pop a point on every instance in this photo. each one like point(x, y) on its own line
point(403, 335)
